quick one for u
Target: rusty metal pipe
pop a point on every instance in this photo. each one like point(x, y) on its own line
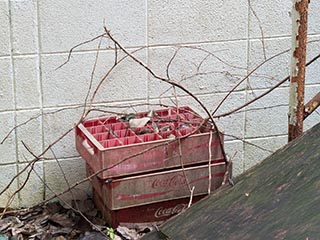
point(298, 64)
point(312, 105)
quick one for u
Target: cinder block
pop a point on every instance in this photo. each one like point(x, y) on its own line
point(24, 26)
point(234, 149)
point(26, 82)
point(8, 147)
point(269, 115)
point(6, 85)
point(313, 18)
point(84, 20)
point(278, 68)
point(56, 123)
point(312, 71)
point(274, 18)
point(207, 68)
point(32, 192)
point(7, 173)
point(233, 124)
point(272, 71)
point(127, 82)
point(196, 21)
point(4, 29)
point(30, 133)
point(253, 154)
point(73, 170)
point(70, 84)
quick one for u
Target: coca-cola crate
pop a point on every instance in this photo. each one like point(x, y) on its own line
point(108, 142)
point(154, 213)
point(150, 188)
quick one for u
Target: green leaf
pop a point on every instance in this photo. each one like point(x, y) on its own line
point(110, 233)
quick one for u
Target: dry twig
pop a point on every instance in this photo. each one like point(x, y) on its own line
point(173, 84)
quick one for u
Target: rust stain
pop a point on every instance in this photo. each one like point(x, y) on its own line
point(296, 105)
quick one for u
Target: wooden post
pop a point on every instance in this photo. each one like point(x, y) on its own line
point(298, 64)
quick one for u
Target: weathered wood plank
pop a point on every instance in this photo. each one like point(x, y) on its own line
point(277, 199)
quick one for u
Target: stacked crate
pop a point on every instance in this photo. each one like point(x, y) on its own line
point(144, 174)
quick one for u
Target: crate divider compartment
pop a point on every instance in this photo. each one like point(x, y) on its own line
point(97, 129)
point(150, 137)
point(104, 136)
point(166, 135)
point(184, 131)
point(130, 140)
point(166, 126)
point(164, 112)
point(117, 126)
point(143, 130)
point(124, 133)
point(110, 143)
point(100, 121)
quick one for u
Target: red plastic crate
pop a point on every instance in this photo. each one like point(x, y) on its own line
point(105, 142)
point(153, 214)
point(150, 188)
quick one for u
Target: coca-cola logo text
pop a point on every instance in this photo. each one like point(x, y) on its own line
point(165, 212)
point(169, 182)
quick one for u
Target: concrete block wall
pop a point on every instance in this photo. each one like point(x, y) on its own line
point(36, 36)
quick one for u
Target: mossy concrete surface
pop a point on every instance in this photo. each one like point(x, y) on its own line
point(277, 199)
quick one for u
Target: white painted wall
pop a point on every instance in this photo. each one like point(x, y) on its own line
point(36, 35)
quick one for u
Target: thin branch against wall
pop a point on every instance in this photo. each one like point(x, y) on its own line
point(92, 73)
point(36, 117)
point(103, 79)
point(245, 78)
point(171, 82)
point(89, 178)
point(39, 157)
point(21, 186)
point(260, 27)
point(263, 94)
point(76, 210)
point(198, 73)
point(78, 45)
point(248, 142)
point(94, 107)
point(259, 108)
point(85, 113)
point(170, 62)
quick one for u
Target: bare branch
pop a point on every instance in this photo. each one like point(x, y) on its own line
point(92, 76)
point(78, 45)
point(249, 143)
point(245, 78)
point(260, 27)
point(170, 62)
point(92, 106)
point(105, 77)
point(173, 83)
point(262, 95)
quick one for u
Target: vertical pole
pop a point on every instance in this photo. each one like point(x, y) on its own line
point(298, 64)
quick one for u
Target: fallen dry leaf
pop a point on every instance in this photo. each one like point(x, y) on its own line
point(61, 219)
